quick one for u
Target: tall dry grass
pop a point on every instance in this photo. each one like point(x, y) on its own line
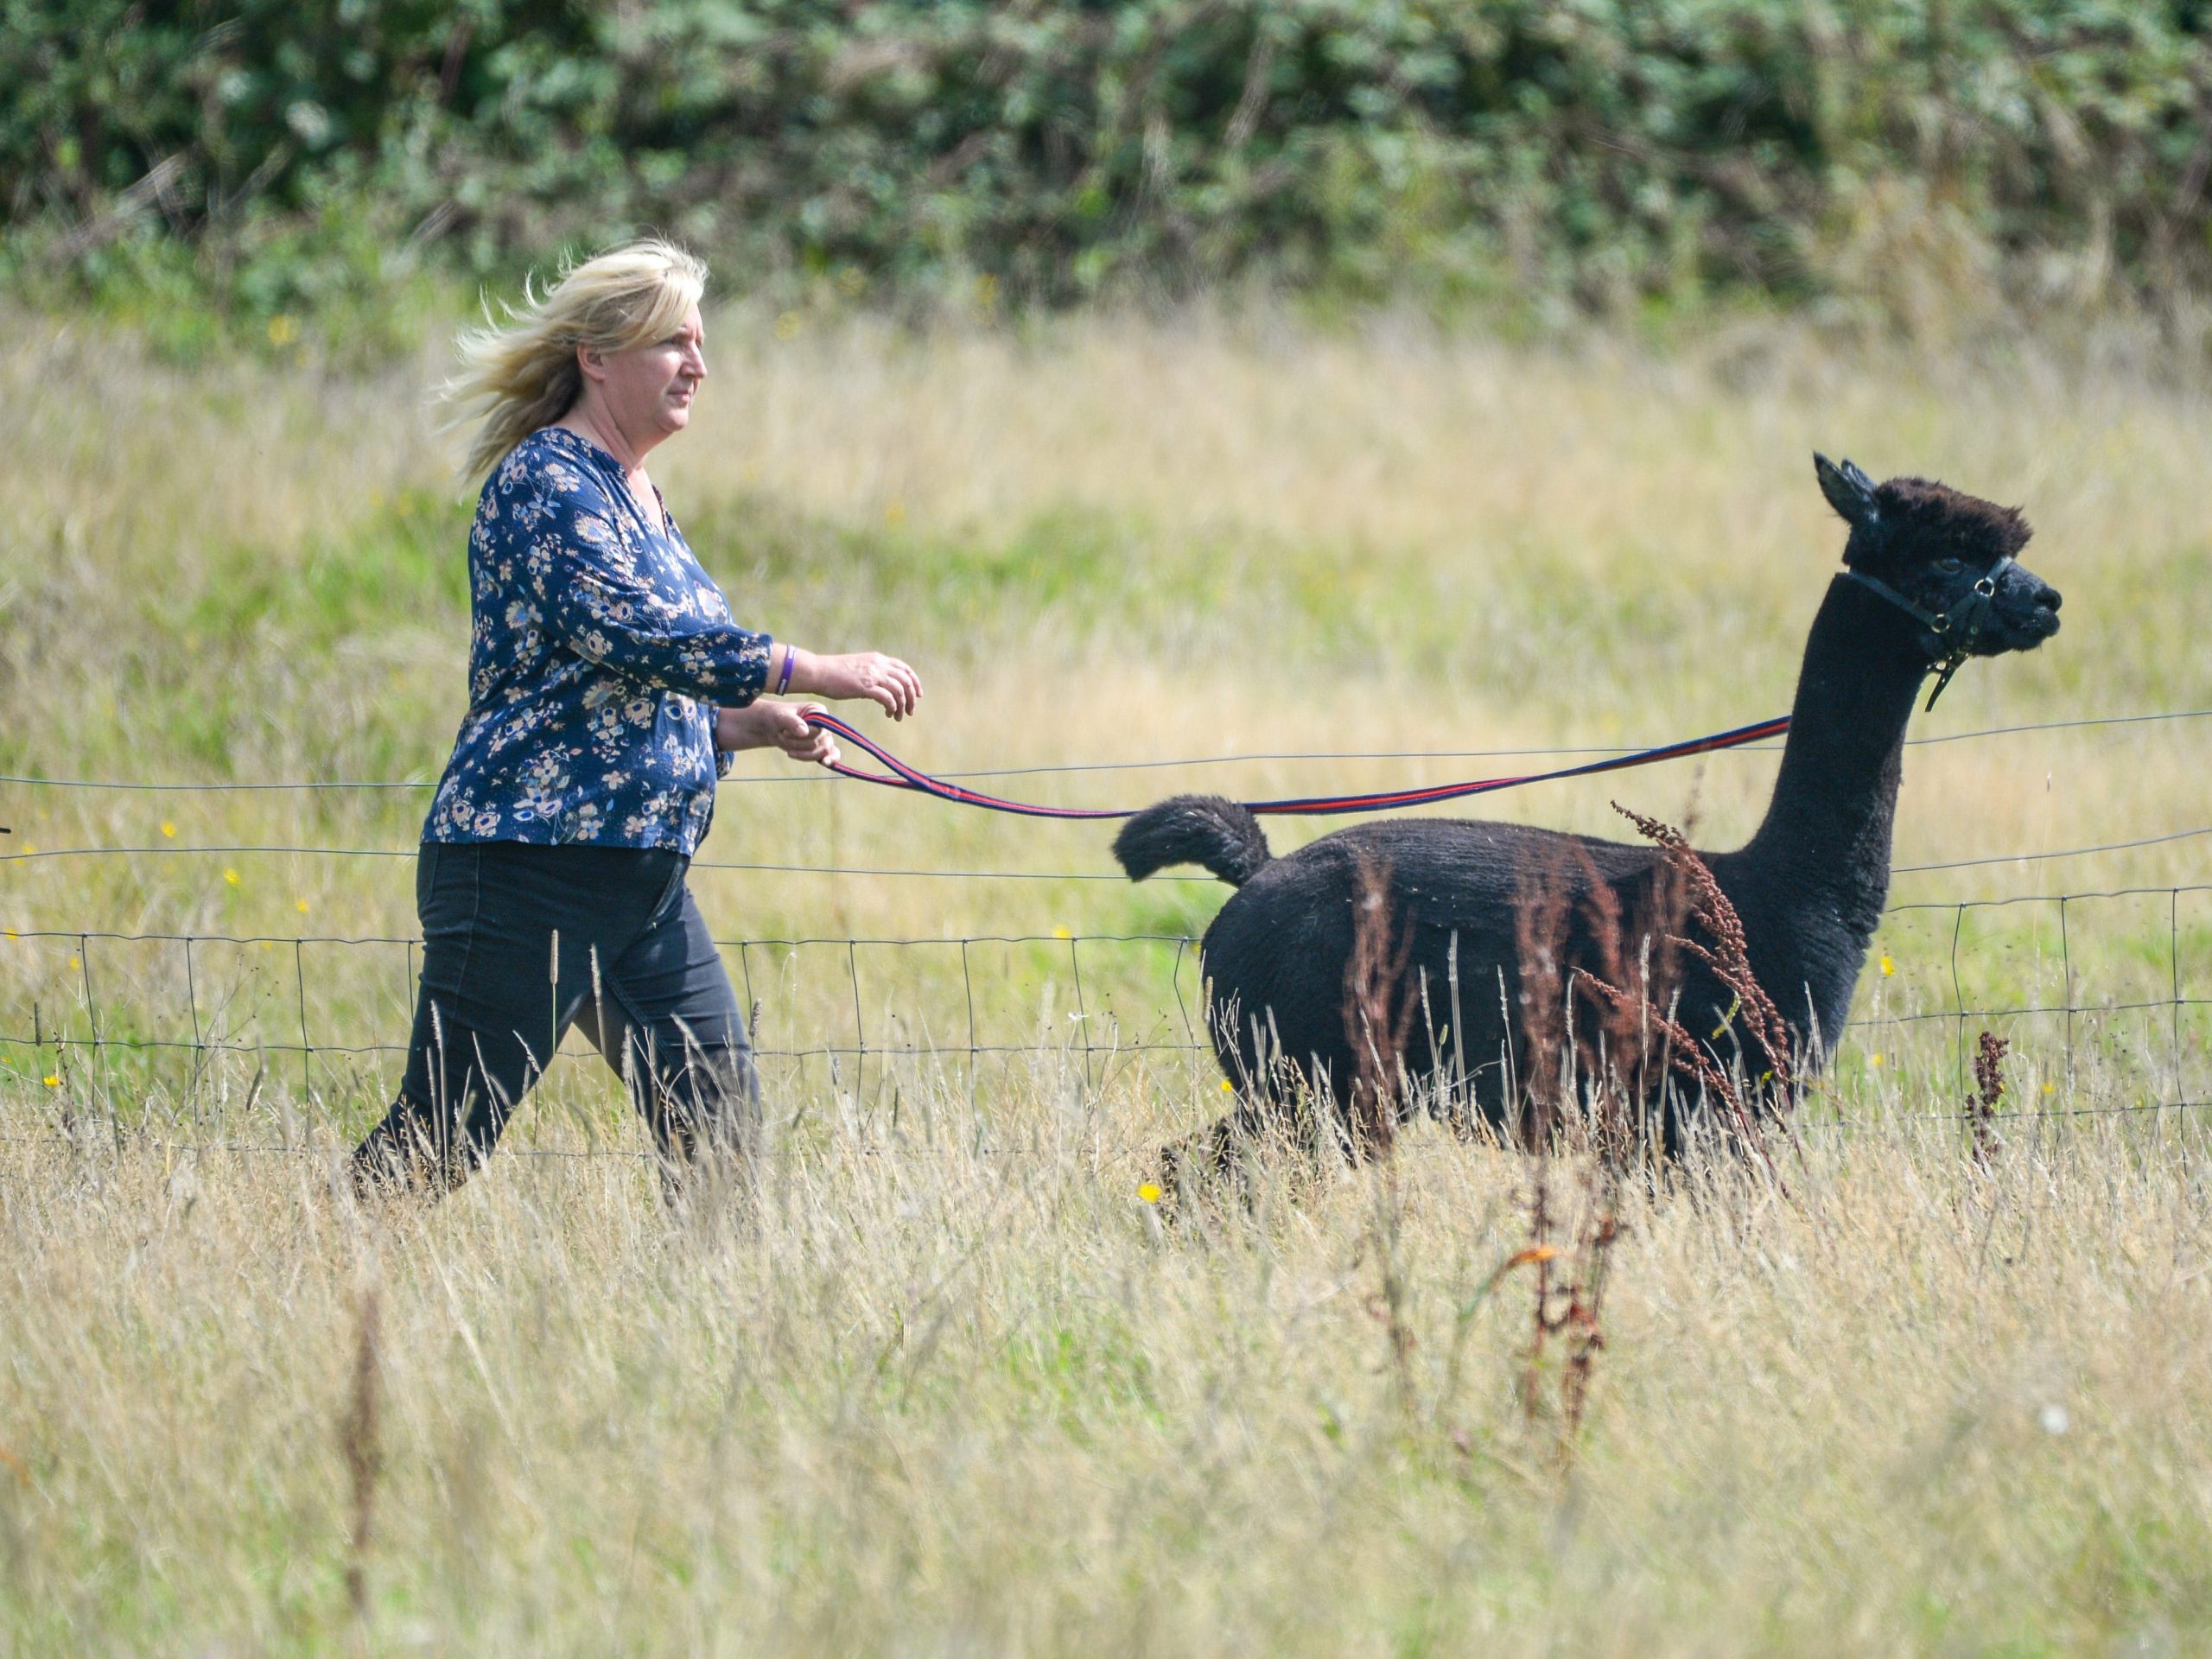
point(916, 1397)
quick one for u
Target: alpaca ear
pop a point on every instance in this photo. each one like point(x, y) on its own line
point(1849, 491)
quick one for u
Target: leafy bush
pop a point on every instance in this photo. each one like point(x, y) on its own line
point(1599, 154)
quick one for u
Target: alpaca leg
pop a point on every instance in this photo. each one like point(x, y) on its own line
point(1223, 1150)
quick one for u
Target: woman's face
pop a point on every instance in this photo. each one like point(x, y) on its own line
point(648, 389)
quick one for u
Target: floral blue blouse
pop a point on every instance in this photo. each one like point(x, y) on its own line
point(600, 653)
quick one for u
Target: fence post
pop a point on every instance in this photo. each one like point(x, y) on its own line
point(1082, 1011)
point(198, 1046)
point(307, 1043)
point(2173, 965)
point(975, 1055)
point(1175, 979)
point(752, 1009)
point(2066, 967)
point(192, 993)
point(93, 1014)
point(859, 1024)
point(1959, 997)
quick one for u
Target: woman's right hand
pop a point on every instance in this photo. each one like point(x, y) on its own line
point(882, 680)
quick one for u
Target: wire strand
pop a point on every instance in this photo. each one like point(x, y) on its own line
point(990, 875)
point(1082, 766)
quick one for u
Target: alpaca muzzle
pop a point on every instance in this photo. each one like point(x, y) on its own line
point(1955, 632)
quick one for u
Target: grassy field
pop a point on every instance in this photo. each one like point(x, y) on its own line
point(944, 1383)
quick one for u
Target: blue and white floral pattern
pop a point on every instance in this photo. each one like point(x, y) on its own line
point(600, 652)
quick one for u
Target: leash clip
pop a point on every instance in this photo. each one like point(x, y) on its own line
point(1951, 665)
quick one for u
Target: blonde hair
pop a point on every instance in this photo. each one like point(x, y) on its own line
point(520, 375)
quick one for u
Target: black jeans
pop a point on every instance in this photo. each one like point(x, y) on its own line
point(519, 942)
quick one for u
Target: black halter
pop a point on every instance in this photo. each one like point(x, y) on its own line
point(1955, 630)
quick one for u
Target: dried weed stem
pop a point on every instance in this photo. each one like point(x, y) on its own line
point(359, 1440)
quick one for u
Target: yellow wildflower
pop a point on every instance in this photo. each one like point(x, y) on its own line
point(1224, 1085)
point(1062, 933)
point(1888, 967)
point(169, 829)
point(231, 876)
point(53, 1081)
point(300, 905)
point(1149, 1193)
point(1873, 1059)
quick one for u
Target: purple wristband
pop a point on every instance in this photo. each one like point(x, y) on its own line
point(784, 684)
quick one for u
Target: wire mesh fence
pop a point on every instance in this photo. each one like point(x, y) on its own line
point(2106, 987)
point(329, 1013)
point(2103, 987)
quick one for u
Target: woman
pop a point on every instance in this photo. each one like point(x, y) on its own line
point(608, 686)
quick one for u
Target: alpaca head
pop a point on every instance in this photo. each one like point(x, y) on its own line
point(1944, 552)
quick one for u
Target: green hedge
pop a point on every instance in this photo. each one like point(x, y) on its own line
point(1556, 153)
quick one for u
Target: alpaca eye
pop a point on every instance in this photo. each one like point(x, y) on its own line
point(1950, 567)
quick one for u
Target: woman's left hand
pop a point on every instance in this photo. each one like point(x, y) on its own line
point(783, 726)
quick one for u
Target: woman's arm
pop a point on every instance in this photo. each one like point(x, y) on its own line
point(622, 624)
point(869, 674)
point(595, 604)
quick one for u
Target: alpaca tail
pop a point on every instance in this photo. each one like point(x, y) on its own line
point(1193, 830)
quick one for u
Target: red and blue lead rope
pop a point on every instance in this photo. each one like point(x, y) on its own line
point(1315, 806)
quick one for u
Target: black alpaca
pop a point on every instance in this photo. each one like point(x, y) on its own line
point(1929, 580)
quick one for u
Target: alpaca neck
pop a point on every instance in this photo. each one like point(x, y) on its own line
point(1826, 831)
